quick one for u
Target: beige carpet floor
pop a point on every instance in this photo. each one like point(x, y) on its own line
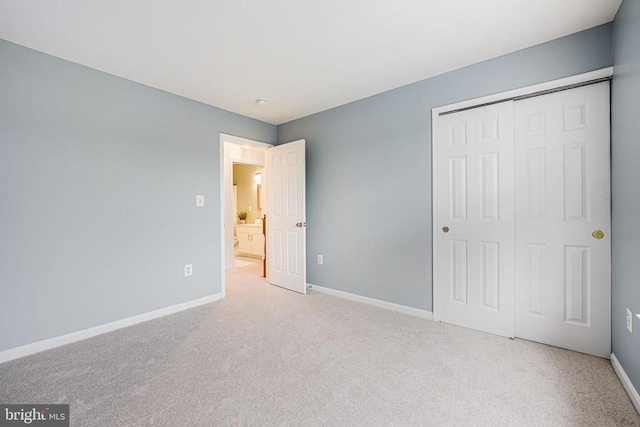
point(267, 356)
point(242, 261)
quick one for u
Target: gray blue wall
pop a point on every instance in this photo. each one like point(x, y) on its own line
point(625, 171)
point(98, 177)
point(369, 168)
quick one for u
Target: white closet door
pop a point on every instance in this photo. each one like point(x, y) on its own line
point(474, 254)
point(563, 266)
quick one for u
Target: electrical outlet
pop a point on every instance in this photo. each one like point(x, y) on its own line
point(320, 259)
point(629, 320)
point(188, 270)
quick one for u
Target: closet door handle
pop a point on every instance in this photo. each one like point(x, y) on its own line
point(445, 229)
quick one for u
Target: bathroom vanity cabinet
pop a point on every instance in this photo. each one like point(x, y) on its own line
point(250, 240)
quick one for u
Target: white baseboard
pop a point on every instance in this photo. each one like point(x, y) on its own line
point(48, 344)
point(626, 382)
point(375, 302)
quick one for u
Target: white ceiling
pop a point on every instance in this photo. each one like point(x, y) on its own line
point(302, 56)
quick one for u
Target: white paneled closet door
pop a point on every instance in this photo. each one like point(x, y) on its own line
point(522, 219)
point(474, 218)
point(562, 235)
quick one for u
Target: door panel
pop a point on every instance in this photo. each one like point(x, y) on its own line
point(563, 289)
point(284, 176)
point(474, 195)
point(527, 265)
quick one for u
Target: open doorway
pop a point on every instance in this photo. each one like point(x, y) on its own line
point(242, 244)
point(248, 207)
point(283, 183)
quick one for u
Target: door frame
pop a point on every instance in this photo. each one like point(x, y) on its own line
point(477, 102)
point(224, 168)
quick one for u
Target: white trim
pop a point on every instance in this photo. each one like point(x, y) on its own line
point(375, 302)
point(223, 168)
point(435, 113)
point(223, 216)
point(434, 185)
point(48, 344)
point(626, 382)
point(244, 141)
point(528, 90)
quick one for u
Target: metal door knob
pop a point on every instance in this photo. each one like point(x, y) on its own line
point(299, 224)
point(445, 229)
point(598, 234)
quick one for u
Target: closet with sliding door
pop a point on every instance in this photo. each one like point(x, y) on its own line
point(522, 218)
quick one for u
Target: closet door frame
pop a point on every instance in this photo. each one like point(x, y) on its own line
point(478, 102)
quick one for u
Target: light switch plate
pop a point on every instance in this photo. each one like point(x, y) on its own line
point(199, 200)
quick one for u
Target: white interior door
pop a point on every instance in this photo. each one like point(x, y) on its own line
point(563, 264)
point(473, 191)
point(284, 175)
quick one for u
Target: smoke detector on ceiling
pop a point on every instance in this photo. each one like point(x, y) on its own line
point(261, 102)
